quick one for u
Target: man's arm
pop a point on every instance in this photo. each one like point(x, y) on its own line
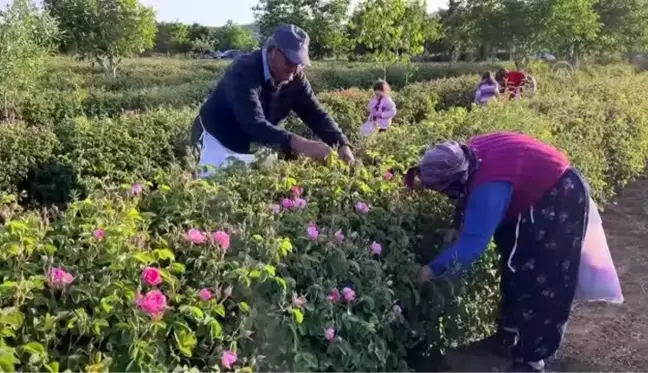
point(485, 209)
point(309, 109)
point(243, 96)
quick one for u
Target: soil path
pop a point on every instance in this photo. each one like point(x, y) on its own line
point(604, 337)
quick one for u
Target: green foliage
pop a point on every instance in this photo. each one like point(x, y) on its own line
point(232, 36)
point(105, 31)
point(27, 35)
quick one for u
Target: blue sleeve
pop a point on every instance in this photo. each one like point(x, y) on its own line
point(485, 209)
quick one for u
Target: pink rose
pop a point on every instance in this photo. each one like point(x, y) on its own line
point(312, 231)
point(228, 359)
point(136, 189)
point(339, 236)
point(348, 294)
point(329, 334)
point(296, 191)
point(287, 204)
point(376, 248)
point(298, 301)
point(222, 239)
point(334, 296)
point(59, 277)
point(195, 236)
point(151, 276)
point(300, 203)
point(362, 208)
point(396, 309)
point(388, 175)
point(205, 294)
point(154, 303)
point(99, 234)
point(275, 209)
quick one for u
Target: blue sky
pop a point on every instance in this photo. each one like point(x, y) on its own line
point(214, 12)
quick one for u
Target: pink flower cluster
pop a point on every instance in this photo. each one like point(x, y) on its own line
point(59, 277)
point(136, 190)
point(198, 237)
point(313, 232)
point(152, 276)
point(362, 208)
point(228, 359)
point(296, 202)
point(335, 296)
point(154, 303)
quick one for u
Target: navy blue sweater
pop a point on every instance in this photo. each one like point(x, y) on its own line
point(246, 108)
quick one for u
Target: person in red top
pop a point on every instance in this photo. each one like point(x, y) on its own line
point(514, 82)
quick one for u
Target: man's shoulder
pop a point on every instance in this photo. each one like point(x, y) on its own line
point(248, 66)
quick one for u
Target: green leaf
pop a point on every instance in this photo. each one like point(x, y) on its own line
point(34, 348)
point(8, 360)
point(98, 324)
point(195, 311)
point(286, 246)
point(299, 316)
point(52, 367)
point(281, 282)
point(272, 270)
point(244, 307)
point(163, 254)
point(144, 258)
point(177, 267)
point(255, 273)
point(220, 310)
point(186, 341)
point(215, 329)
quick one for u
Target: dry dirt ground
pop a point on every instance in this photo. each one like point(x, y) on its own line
point(603, 337)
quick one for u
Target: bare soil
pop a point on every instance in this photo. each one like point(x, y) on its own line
point(605, 337)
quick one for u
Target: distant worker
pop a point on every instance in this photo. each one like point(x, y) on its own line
point(487, 89)
point(381, 109)
point(256, 93)
point(515, 81)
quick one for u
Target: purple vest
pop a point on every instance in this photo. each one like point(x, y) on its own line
point(531, 166)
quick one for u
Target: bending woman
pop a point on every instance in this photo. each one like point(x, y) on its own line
point(524, 193)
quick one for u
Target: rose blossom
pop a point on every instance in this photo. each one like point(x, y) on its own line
point(275, 209)
point(287, 203)
point(388, 175)
point(136, 189)
point(195, 236)
point(154, 303)
point(376, 248)
point(348, 294)
point(228, 359)
point(298, 301)
point(99, 234)
point(339, 236)
point(296, 191)
point(151, 276)
point(333, 296)
point(362, 208)
point(60, 277)
point(329, 334)
point(396, 309)
point(300, 203)
point(313, 232)
point(222, 239)
point(205, 294)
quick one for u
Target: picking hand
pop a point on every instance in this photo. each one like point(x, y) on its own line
point(315, 150)
point(346, 154)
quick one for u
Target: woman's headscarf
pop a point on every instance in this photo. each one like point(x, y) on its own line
point(443, 167)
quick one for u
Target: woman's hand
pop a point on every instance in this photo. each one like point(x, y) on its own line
point(450, 237)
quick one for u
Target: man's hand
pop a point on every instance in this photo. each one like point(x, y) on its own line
point(315, 150)
point(450, 237)
point(346, 154)
point(425, 274)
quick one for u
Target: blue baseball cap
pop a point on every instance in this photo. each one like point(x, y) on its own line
point(293, 42)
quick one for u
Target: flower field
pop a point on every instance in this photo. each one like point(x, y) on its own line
point(116, 258)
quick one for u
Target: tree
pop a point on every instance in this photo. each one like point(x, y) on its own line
point(27, 38)
point(570, 27)
point(390, 30)
point(172, 38)
point(233, 36)
point(324, 20)
point(624, 26)
point(105, 30)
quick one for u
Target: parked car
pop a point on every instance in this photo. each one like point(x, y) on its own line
point(228, 54)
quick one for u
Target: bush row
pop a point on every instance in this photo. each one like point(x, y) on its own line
point(298, 267)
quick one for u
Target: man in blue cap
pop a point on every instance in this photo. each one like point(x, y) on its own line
point(257, 92)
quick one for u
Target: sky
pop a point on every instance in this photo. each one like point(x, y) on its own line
point(215, 12)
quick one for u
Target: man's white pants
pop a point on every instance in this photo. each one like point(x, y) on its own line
point(214, 154)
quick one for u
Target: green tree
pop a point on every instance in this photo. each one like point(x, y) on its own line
point(27, 38)
point(391, 30)
point(172, 38)
point(624, 25)
point(324, 20)
point(105, 30)
point(233, 36)
point(570, 27)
